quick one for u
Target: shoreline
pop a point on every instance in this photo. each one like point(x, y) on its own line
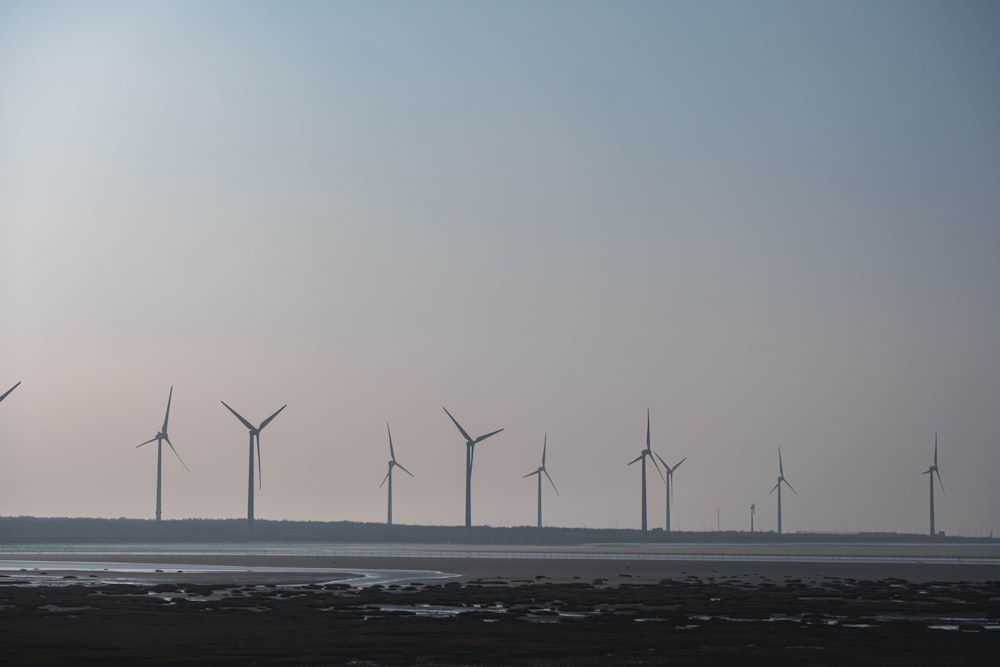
point(618, 564)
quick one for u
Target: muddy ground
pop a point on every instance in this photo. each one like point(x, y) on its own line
point(687, 620)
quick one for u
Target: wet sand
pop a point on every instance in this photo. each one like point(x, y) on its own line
point(596, 605)
point(643, 564)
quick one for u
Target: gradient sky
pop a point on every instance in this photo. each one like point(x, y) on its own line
point(772, 223)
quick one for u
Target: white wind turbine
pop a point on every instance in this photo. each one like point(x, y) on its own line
point(388, 476)
point(254, 435)
point(932, 471)
point(669, 478)
point(642, 457)
point(158, 439)
point(781, 480)
point(470, 454)
point(540, 471)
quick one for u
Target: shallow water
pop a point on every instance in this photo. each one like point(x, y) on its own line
point(51, 572)
point(902, 554)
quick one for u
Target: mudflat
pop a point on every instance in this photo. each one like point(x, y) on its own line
point(526, 608)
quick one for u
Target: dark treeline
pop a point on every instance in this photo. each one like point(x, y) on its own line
point(35, 530)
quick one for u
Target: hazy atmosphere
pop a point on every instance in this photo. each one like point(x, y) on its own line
point(774, 224)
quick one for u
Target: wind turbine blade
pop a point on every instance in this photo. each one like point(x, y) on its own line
point(176, 454)
point(938, 473)
point(268, 420)
point(636, 459)
point(545, 443)
point(775, 487)
point(238, 416)
point(403, 469)
point(166, 417)
point(392, 452)
point(657, 467)
point(534, 472)
point(647, 427)
point(550, 481)
point(679, 463)
point(483, 437)
point(7, 393)
point(145, 443)
point(781, 468)
point(935, 450)
point(385, 478)
point(663, 462)
point(461, 430)
point(789, 485)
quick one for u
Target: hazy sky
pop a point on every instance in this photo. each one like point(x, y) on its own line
point(772, 223)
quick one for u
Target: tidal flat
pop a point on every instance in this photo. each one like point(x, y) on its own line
point(688, 620)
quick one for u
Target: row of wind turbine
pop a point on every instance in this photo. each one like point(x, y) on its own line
point(254, 433)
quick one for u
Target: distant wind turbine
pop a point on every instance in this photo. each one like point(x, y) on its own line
point(254, 434)
point(158, 439)
point(388, 475)
point(642, 457)
point(781, 479)
point(540, 471)
point(753, 510)
point(932, 471)
point(470, 453)
point(7, 393)
point(669, 479)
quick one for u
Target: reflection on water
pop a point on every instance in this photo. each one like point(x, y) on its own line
point(895, 554)
point(49, 572)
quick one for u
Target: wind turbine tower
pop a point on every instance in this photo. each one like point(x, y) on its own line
point(158, 439)
point(781, 480)
point(669, 478)
point(254, 435)
point(931, 472)
point(642, 458)
point(540, 471)
point(470, 455)
point(388, 475)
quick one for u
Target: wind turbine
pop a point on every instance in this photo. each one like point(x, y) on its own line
point(7, 393)
point(668, 479)
point(388, 475)
point(753, 511)
point(254, 434)
point(470, 453)
point(642, 457)
point(781, 479)
point(158, 439)
point(541, 470)
point(933, 470)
